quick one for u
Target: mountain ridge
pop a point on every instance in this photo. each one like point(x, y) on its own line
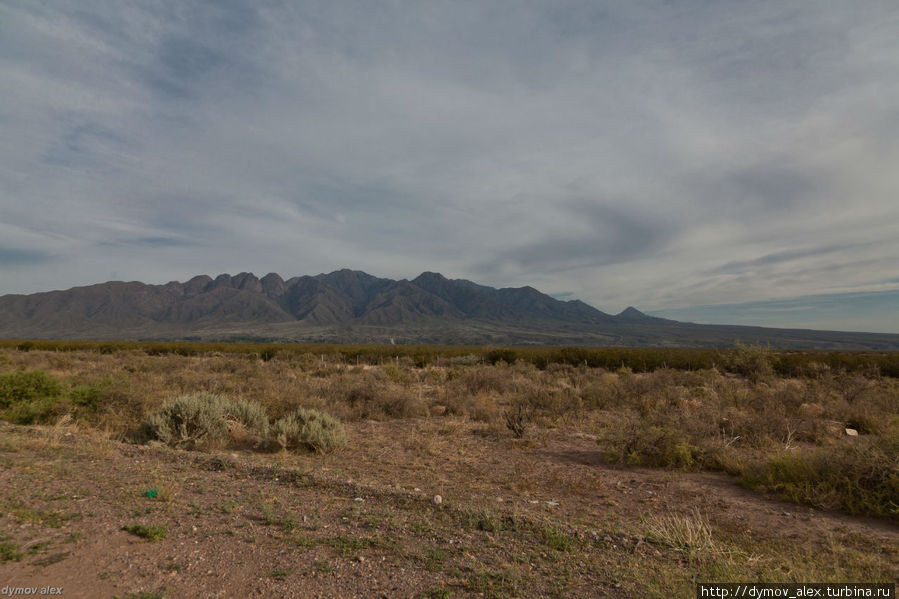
point(352, 306)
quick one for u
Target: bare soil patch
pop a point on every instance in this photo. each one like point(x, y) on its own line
point(537, 517)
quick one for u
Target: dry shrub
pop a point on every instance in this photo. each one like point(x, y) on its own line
point(869, 410)
point(517, 420)
point(480, 379)
point(403, 405)
point(653, 445)
point(203, 420)
point(753, 362)
point(606, 393)
point(188, 421)
point(397, 374)
point(466, 360)
point(759, 416)
point(309, 430)
point(370, 394)
point(481, 407)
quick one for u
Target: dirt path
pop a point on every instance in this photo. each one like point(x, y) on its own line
point(539, 517)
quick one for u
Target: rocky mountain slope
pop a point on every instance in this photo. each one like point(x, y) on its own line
point(355, 307)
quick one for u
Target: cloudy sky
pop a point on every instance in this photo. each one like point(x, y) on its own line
point(665, 154)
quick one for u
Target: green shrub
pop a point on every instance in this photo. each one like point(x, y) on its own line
point(151, 532)
point(27, 386)
point(85, 396)
point(27, 397)
point(310, 430)
point(9, 552)
point(506, 355)
point(643, 444)
point(861, 477)
point(42, 410)
point(557, 539)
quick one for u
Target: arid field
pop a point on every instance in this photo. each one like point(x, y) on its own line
point(140, 474)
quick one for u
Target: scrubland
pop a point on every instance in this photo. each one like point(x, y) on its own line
point(495, 473)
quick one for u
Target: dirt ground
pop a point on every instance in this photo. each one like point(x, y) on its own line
point(533, 517)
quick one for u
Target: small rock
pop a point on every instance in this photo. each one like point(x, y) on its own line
point(851, 432)
point(438, 499)
point(551, 503)
point(417, 490)
point(360, 559)
point(358, 500)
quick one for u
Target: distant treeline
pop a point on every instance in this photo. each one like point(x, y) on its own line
point(784, 363)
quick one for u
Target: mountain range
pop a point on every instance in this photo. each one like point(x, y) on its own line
point(348, 306)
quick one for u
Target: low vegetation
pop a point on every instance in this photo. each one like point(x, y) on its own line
point(638, 359)
point(475, 474)
point(309, 429)
point(150, 532)
point(824, 435)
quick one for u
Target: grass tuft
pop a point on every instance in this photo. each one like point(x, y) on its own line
point(150, 532)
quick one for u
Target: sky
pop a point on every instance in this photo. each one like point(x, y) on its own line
point(716, 159)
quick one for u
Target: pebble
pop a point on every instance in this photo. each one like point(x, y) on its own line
point(359, 500)
point(438, 499)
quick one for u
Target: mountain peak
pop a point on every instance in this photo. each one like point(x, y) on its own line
point(634, 316)
point(631, 312)
point(429, 277)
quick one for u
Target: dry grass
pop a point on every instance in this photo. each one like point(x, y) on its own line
point(540, 515)
point(689, 533)
point(771, 432)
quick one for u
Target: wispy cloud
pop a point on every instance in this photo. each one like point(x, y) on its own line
point(656, 154)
